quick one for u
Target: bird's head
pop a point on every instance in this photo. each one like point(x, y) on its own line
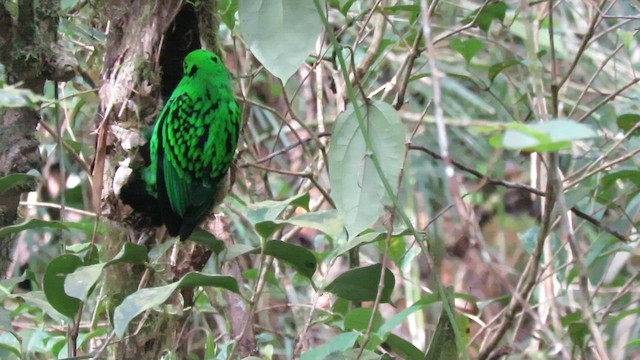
point(203, 63)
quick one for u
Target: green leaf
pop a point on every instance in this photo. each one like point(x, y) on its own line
point(398, 318)
point(361, 284)
point(357, 189)
point(301, 259)
point(552, 135)
point(358, 319)
point(530, 238)
point(234, 250)
point(467, 48)
point(487, 15)
point(403, 348)
point(496, 69)
point(263, 214)
point(621, 173)
point(32, 224)
point(228, 10)
point(16, 179)
point(53, 284)
point(626, 122)
point(336, 346)
point(328, 222)
point(634, 343)
point(280, 33)
point(80, 283)
point(39, 300)
point(443, 342)
point(5, 320)
point(578, 332)
point(207, 239)
point(145, 299)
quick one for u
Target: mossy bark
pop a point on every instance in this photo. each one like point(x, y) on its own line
point(30, 54)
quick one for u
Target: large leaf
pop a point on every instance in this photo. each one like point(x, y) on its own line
point(79, 283)
point(53, 284)
point(263, 214)
point(145, 299)
point(32, 224)
point(280, 33)
point(337, 345)
point(361, 284)
point(467, 48)
point(550, 135)
point(358, 191)
point(16, 179)
point(301, 259)
point(329, 222)
point(486, 14)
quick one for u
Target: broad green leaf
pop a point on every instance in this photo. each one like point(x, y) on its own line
point(280, 33)
point(5, 320)
point(39, 300)
point(301, 259)
point(634, 343)
point(443, 342)
point(578, 332)
point(32, 224)
point(337, 346)
point(10, 347)
point(53, 284)
point(496, 69)
point(16, 179)
point(550, 135)
point(467, 48)
point(79, 283)
point(358, 319)
point(621, 173)
point(234, 250)
point(207, 239)
point(263, 214)
point(487, 14)
point(530, 238)
point(130, 253)
point(328, 222)
point(626, 122)
point(398, 318)
point(228, 10)
point(403, 348)
point(145, 299)
point(358, 191)
point(361, 284)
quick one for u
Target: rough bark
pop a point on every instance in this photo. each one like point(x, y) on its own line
point(129, 105)
point(30, 54)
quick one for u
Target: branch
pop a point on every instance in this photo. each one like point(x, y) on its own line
point(513, 185)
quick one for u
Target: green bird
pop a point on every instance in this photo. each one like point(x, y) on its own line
point(194, 143)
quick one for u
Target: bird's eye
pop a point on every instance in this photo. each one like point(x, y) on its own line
point(192, 72)
point(214, 59)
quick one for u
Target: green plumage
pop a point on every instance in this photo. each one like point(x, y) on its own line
point(193, 143)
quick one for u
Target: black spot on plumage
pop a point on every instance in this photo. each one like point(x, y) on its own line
point(193, 71)
point(214, 59)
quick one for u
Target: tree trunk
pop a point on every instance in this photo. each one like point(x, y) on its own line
point(146, 38)
point(30, 54)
